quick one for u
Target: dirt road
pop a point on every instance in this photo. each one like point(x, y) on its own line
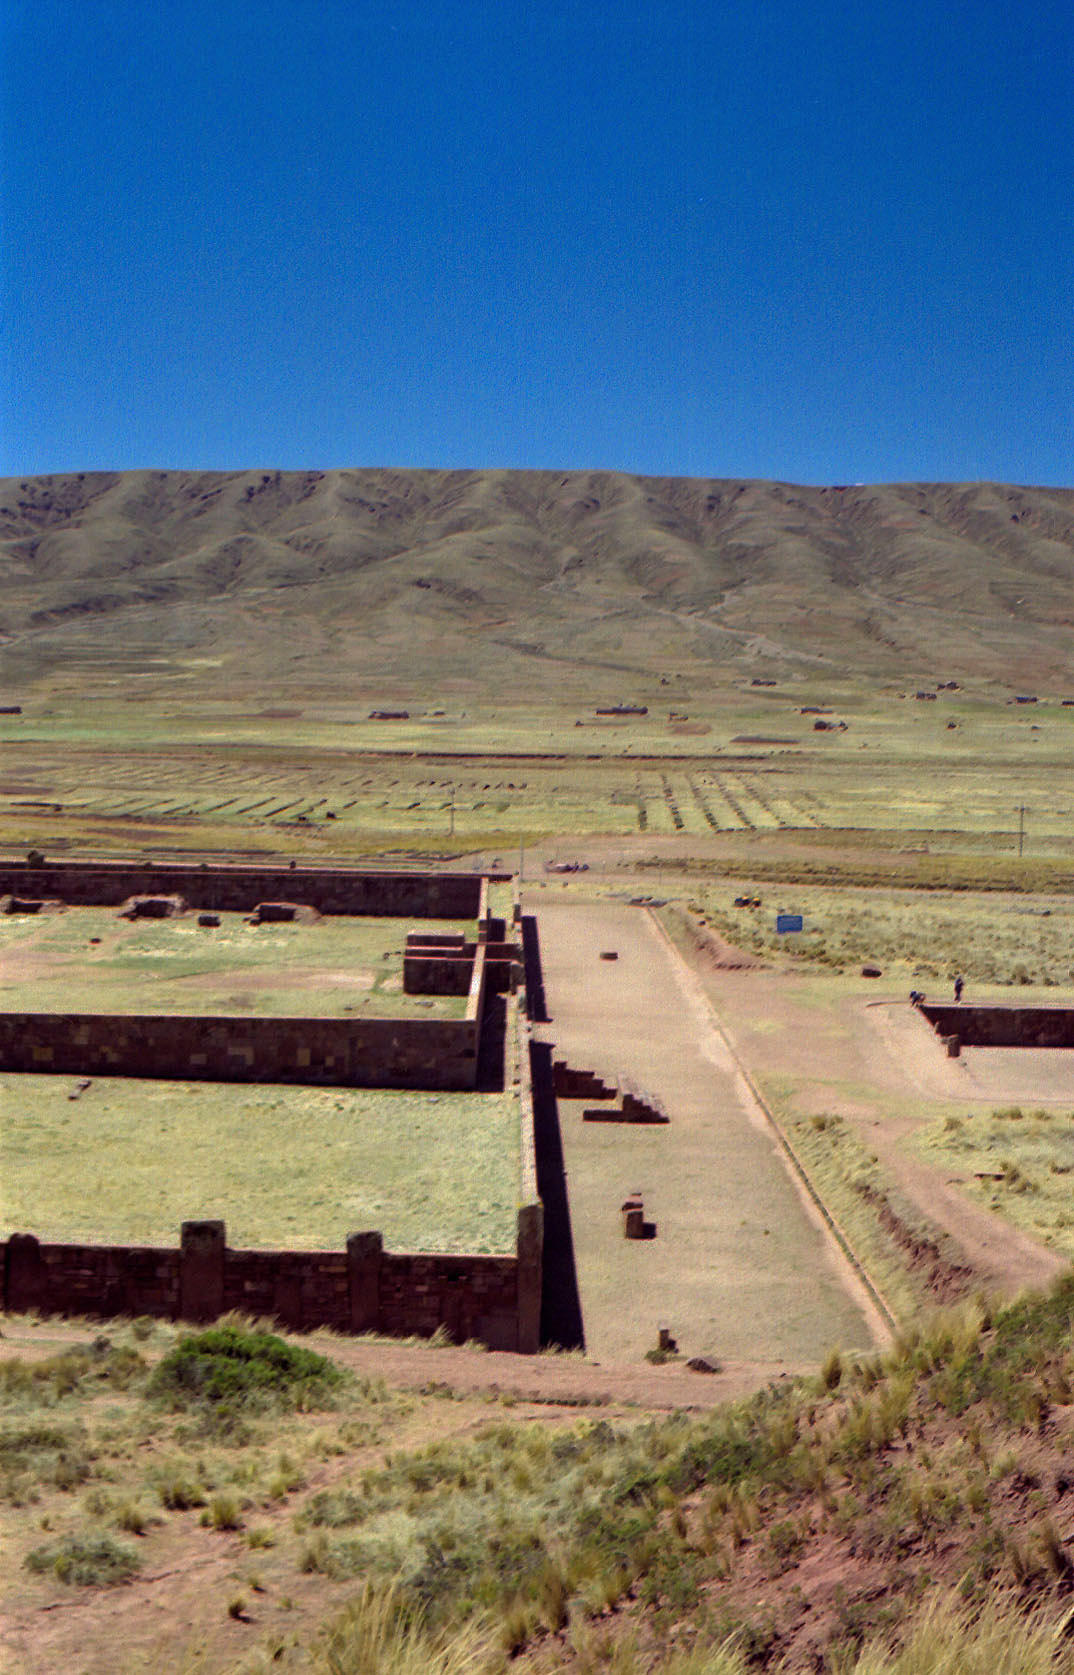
point(739, 1267)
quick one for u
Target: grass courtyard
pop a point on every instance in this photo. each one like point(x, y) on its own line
point(87, 959)
point(127, 1161)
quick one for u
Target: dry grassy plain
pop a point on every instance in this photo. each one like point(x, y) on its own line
point(195, 659)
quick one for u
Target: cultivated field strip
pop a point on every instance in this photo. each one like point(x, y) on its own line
point(362, 802)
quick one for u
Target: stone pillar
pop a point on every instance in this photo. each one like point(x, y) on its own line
point(530, 1250)
point(201, 1270)
point(364, 1252)
point(24, 1277)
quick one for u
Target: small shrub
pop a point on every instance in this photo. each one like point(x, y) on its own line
point(89, 1561)
point(337, 1508)
point(832, 1370)
point(42, 1453)
point(179, 1492)
point(224, 1512)
point(227, 1366)
point(133, 1518)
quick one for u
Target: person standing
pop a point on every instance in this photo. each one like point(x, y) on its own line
point(959, 986)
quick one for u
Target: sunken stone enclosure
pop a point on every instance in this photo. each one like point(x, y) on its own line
point(495, 1299)
point(1002, 1024)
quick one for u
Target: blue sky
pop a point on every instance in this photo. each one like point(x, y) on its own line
point(827, 243)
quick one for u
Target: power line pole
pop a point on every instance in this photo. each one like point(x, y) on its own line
point(1021, 827)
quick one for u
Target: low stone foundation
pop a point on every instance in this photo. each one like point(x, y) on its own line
point(1002, 1025)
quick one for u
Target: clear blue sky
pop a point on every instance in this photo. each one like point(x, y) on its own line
point(825, 242)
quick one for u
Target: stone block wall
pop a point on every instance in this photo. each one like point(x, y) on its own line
point(332, 1052)
point(100, 1280)
point(443, 967)
point(1003, 1026)
point(492, 1299)
point(230, 888)
point(470, 1296)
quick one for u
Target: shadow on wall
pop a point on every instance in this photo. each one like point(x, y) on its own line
point(531, 957)
point(491, 1044)
point(561, 1308)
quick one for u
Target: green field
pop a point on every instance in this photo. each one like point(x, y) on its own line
point(88, 959)
point(234, 781)
point(127, 1161)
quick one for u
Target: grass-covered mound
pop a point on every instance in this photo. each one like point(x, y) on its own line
point(796, 1528)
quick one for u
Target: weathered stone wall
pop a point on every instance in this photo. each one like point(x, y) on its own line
point(437, 971)
point(90, 1279)
point(431, 967)
point(228, 888)
point(363, 1288)
point(470, 1296)
point(1003, 1026)
point(333, 1052)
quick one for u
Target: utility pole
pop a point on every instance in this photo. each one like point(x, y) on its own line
point(451, 827)
point(1021, 827)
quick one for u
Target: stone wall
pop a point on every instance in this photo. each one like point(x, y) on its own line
point(100, 1280)
point(444, 967)
point(493, 1299)
point(333, 1052)
point(228, 888)
point(1003, 1026)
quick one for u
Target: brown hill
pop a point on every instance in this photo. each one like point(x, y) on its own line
point(321, 580)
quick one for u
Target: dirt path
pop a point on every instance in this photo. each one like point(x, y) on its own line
point(875, 1061)
point(737, 1268)
point(560, 1380)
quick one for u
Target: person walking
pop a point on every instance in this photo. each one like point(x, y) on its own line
point(959, 986)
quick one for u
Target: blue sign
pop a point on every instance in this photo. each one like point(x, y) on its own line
point(788, 922)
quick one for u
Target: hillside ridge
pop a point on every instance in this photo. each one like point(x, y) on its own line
point(598, 568)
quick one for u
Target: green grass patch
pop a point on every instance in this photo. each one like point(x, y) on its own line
point(1019, 1161)
point(850, 1183)
point(128, 1161)
point(931, 936)
point(89, 959)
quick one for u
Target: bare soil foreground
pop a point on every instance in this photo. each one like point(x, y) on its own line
point(174, 1614)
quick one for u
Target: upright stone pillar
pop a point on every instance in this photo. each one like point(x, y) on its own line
point(364, 1253)
point(201, 1270)
point(530, 1249)
point(25, 1277)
